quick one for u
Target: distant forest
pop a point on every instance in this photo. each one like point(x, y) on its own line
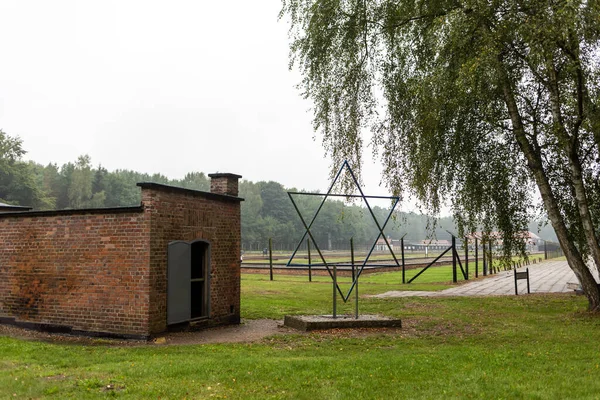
point(267, 211)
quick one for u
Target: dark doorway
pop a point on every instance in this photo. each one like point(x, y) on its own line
point(188, 272)
point(199, 280)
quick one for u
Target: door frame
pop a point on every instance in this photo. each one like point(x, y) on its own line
point(206, 277)
point(179, 281)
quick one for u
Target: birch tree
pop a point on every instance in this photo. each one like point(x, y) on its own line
point(469, 102)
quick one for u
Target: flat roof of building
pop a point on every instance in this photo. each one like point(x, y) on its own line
point(11, 207)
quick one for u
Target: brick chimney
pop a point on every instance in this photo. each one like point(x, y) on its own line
point(225, 183)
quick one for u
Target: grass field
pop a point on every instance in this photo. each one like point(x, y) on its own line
point(282, 257)
point(433, 279)
point(537, 347)
point(285, 291)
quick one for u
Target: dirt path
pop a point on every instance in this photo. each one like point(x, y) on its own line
point(247, 331)
point(251, 330)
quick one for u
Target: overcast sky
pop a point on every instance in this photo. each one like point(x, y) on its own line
point(160, 86)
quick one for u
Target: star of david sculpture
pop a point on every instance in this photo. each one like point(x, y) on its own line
point(331, 267)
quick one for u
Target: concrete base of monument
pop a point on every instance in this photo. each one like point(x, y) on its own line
point(316, 322)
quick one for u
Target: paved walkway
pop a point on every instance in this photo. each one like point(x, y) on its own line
point(546, 277)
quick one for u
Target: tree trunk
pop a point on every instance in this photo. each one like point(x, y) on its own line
point(571, 147)
point(583, 207)
point(535, 165)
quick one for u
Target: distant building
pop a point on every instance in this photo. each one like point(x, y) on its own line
point(422, 245)
point(432, 244)
point(532, 241)
point(381, 246)
point(412, 246)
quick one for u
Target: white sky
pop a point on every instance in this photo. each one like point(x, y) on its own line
point(160, 86)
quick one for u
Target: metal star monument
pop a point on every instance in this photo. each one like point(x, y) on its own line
point(331, 267)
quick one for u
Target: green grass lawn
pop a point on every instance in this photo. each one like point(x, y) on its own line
point(292, 294)
point(433, 279)
point(533, 347)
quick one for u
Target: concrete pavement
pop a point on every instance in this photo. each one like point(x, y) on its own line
point(546, 277)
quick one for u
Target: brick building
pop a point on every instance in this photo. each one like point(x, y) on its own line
point(128, 271)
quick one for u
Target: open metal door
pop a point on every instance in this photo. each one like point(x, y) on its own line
point(178, 282)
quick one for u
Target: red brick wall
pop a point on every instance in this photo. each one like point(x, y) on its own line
point(105, 271)
point(179, 214)
point(87, 271)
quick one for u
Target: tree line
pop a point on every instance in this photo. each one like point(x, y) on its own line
point(267, 211)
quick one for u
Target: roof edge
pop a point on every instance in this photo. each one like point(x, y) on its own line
point(73, 211)
point(198, 193)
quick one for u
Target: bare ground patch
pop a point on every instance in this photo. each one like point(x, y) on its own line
point(261, 330)
point(247, 331)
